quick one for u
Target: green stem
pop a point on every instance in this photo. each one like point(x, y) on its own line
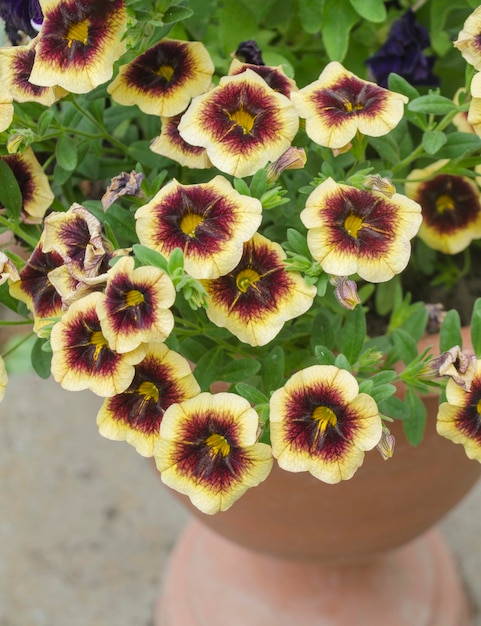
point(16, 230)
point(104, 132)
point(17, 345)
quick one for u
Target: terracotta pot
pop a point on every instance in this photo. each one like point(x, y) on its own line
point(347, 531)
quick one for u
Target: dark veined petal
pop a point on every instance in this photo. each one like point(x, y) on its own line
point(459, 419)
point(208, 221)
point(451, 208)
point(242, 123)
point(258, 296)
point(162, 80)
point(360, 231)
point(162, 378)
point(136, 306)
point(339, 104)
point(82, 357)
point(321, 424)
point(78, 44)
point(207, 450)
point(34, 186)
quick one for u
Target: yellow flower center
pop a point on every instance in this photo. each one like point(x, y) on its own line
point(350, 107)
point(324, 416)
point(149, 390)
point(218, 444)
point(166, 71)
point(445, 203)
point(246, 278)
point(189, 223)
point(78, 32)
point(133, 297)
point(353, 224)
point(244, 119)
point(98, 340)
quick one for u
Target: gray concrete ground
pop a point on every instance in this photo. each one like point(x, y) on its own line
point(86, 526)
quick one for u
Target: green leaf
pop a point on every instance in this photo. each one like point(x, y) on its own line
point(476, 328)
point(459, 144)
point(405, 345)
point(273, 369)
point(44, 121)
point(342, 362)
point(324, 356)
point(208, 367)
point(146, 256)
point(176, 260)
point(239, 370)
point(382, 392)
point(251, 394)
point(298, 242)
point(236, 23)
point(415, 423)
point(339, 18)
point(66, 153)
point(242, 187)
point(311, 15)
point(432, 104)
point(371, 10)
point(353, 334)
point(10, 194)
point(176, 14)
point(394, 407)
point(401, 85)
point(433, 140)
point(258, 183)
point(386, 147)
point(41, 358)
point(6, 299)
point(450, 333)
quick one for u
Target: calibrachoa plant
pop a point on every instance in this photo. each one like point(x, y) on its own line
point(218, 217)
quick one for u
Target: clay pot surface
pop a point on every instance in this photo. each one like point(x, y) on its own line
point(384, 505)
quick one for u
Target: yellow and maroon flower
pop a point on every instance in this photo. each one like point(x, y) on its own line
point(135, 308)
point(339, 104)
point(208, 450)
point(451, 208)
point(35, 289)
point(171, 145)
point(258, 296)
point(164, 79)
point(469, 39)
point(162, 378)
point(208, 221)
point(242, 123)
point(8, 270)
point(459, 419)
point(77, 235)
point(360, 231)
point(321, 424)
point(34, 186)
point(275, 77)
point(16, 64)
point(82, 357)
point(78, 43)
point(3, 379)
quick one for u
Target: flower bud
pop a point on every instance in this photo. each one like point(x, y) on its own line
point(292, 159)
point(346, 291)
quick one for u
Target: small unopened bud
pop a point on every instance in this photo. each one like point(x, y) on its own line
point(337, 151)
point(436, 315)
point(378, 183)
point(18, 140)
point(455, 364)
point(7, 269)
point(345, 291)
point(292, 159)
point(386, 444)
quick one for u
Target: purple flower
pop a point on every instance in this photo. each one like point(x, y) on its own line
point(21, 15)
point(402, 53)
